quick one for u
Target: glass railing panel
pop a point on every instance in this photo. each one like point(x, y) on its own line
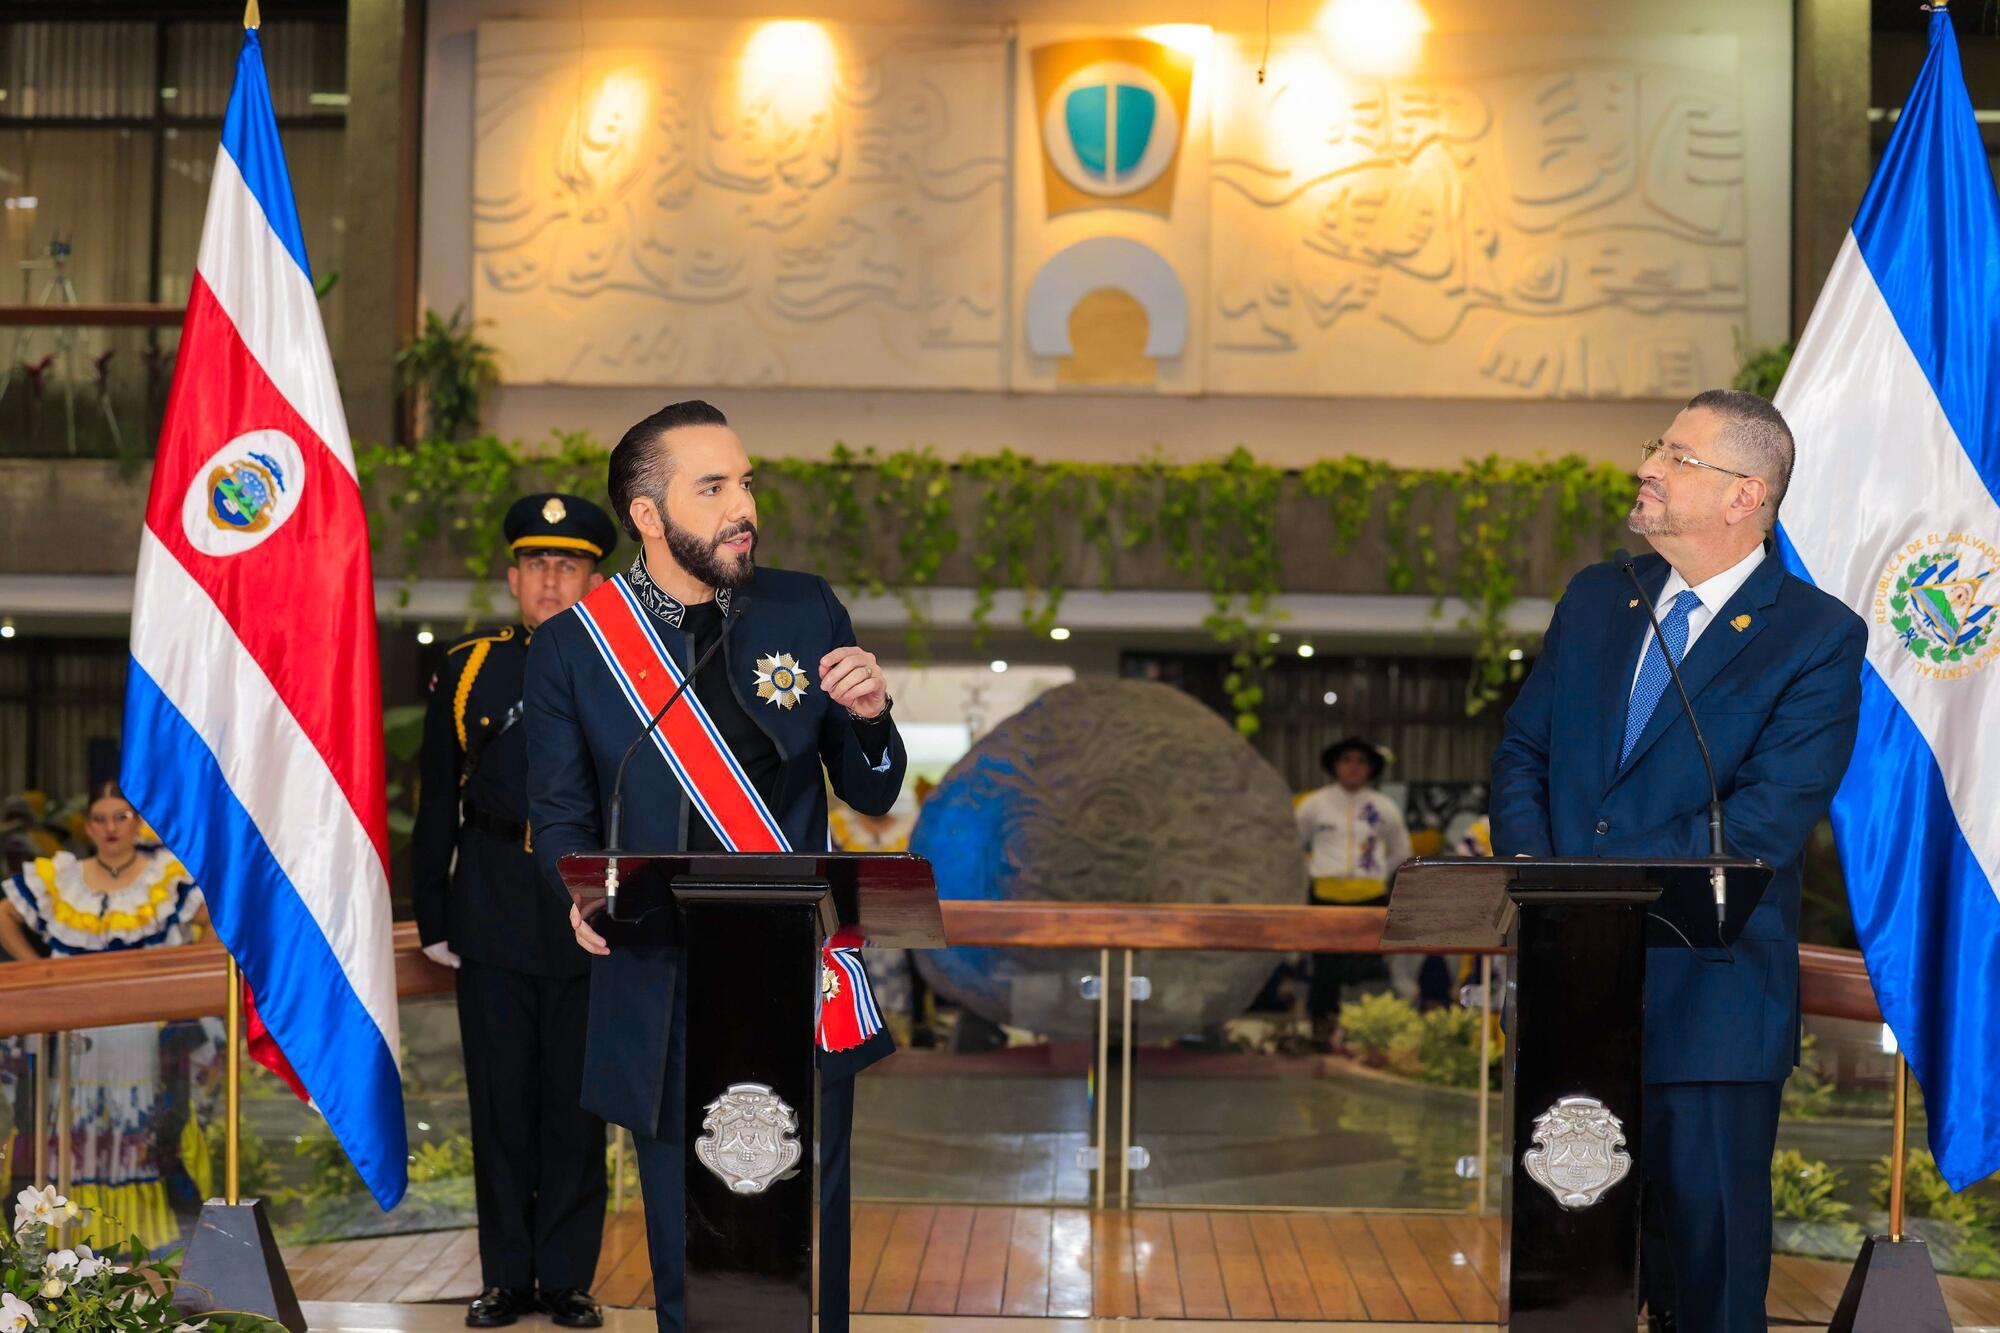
point(1830, 1177)
point(121, 1133)
point(291, 1159)
point(1240, 1099)
point(988, 1099)
point(143, 1141)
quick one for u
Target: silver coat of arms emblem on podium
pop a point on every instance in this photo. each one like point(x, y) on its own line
point(1579, 1151)
point(747, 1138)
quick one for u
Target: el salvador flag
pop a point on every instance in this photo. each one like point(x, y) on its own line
point(1894, 397)
point(253, 713)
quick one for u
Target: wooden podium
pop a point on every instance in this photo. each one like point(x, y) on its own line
point(751, 927)
point(1574, 1013)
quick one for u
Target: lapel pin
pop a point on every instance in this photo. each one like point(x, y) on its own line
point(1633, 602)
point(1740, 624)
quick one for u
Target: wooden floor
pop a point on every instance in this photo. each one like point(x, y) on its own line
point(1068, 1262)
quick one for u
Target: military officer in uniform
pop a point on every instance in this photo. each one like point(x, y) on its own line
point(484, 908)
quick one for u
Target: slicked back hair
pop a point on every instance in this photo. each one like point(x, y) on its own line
point(639, 466)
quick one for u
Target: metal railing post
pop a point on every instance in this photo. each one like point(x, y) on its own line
point(1485, 1063)
point(1098, 1070)
point(42, 1090)
point(65, 1165)
point(1125, 1089)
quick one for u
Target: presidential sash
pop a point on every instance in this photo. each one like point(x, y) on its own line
point(717, 785)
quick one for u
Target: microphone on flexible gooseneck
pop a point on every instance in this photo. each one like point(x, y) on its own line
point(614, 814)
point(1718, 881)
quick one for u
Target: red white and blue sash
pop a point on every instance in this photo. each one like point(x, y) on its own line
point(717, 785)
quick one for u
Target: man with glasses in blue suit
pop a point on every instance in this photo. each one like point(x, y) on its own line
point(1598, 760)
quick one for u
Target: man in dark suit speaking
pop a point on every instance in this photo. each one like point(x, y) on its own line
point(784, 703)
point(1598, 760)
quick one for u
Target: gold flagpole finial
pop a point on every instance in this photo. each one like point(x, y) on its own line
point(251, 18)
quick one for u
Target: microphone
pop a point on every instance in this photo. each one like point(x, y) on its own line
point(614, 817)
point(1718, 881)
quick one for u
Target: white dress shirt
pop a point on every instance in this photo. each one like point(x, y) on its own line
point(1714, 594)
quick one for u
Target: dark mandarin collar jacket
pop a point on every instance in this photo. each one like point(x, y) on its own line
point(579, 724)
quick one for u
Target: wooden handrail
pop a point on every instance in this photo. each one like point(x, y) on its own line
point(1250, 927)
point(108, 315)
point(141, 985)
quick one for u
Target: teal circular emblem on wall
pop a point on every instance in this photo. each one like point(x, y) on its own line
point(1110, 129)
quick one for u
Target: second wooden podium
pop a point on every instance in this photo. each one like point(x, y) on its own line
point(1575, 1018)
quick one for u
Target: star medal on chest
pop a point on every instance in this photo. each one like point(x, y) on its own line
point(829, 984)
point(780, 680)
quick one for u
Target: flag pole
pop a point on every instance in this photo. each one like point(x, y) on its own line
point(251, 18)
point(1893, 1287)
point(233, 1070)
point(232, 1260)
point(1898, 1151)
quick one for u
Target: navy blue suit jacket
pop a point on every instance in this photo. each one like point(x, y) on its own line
point(1778, 701)
point(579, 725)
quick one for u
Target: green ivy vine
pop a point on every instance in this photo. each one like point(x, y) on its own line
point(910, 521)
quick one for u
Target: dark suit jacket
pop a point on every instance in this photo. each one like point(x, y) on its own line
point(579, 725)
point(477, 887)
point(1778, 701)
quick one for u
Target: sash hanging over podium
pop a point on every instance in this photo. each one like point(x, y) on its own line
point(718, 787)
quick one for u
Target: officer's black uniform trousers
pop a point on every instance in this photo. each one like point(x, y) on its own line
point(537, 1158)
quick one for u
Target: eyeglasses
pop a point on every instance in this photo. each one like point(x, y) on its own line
point(1682, 460)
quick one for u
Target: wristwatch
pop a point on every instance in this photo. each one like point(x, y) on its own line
point(888, 702)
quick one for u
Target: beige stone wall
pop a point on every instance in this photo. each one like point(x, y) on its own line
point(1742, 51)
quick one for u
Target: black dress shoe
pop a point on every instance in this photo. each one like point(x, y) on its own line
point(497, 1307)
point(572, 1307)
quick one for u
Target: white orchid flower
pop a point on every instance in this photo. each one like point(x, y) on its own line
point(53, 1288)
point(88, 1265)
point(38, 1207)
point(16, 1314)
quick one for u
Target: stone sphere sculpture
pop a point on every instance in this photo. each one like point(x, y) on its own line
point(1109, 791)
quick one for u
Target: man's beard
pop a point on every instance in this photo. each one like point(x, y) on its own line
point(1662, 524)
point(705, 559)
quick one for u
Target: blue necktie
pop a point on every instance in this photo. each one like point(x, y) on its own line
point(1653, 674)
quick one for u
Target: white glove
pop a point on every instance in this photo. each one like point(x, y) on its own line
point(441, 954)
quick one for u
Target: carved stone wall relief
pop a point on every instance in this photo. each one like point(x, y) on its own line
point(827, 205)
point(1531, 216)
point(712, 203)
